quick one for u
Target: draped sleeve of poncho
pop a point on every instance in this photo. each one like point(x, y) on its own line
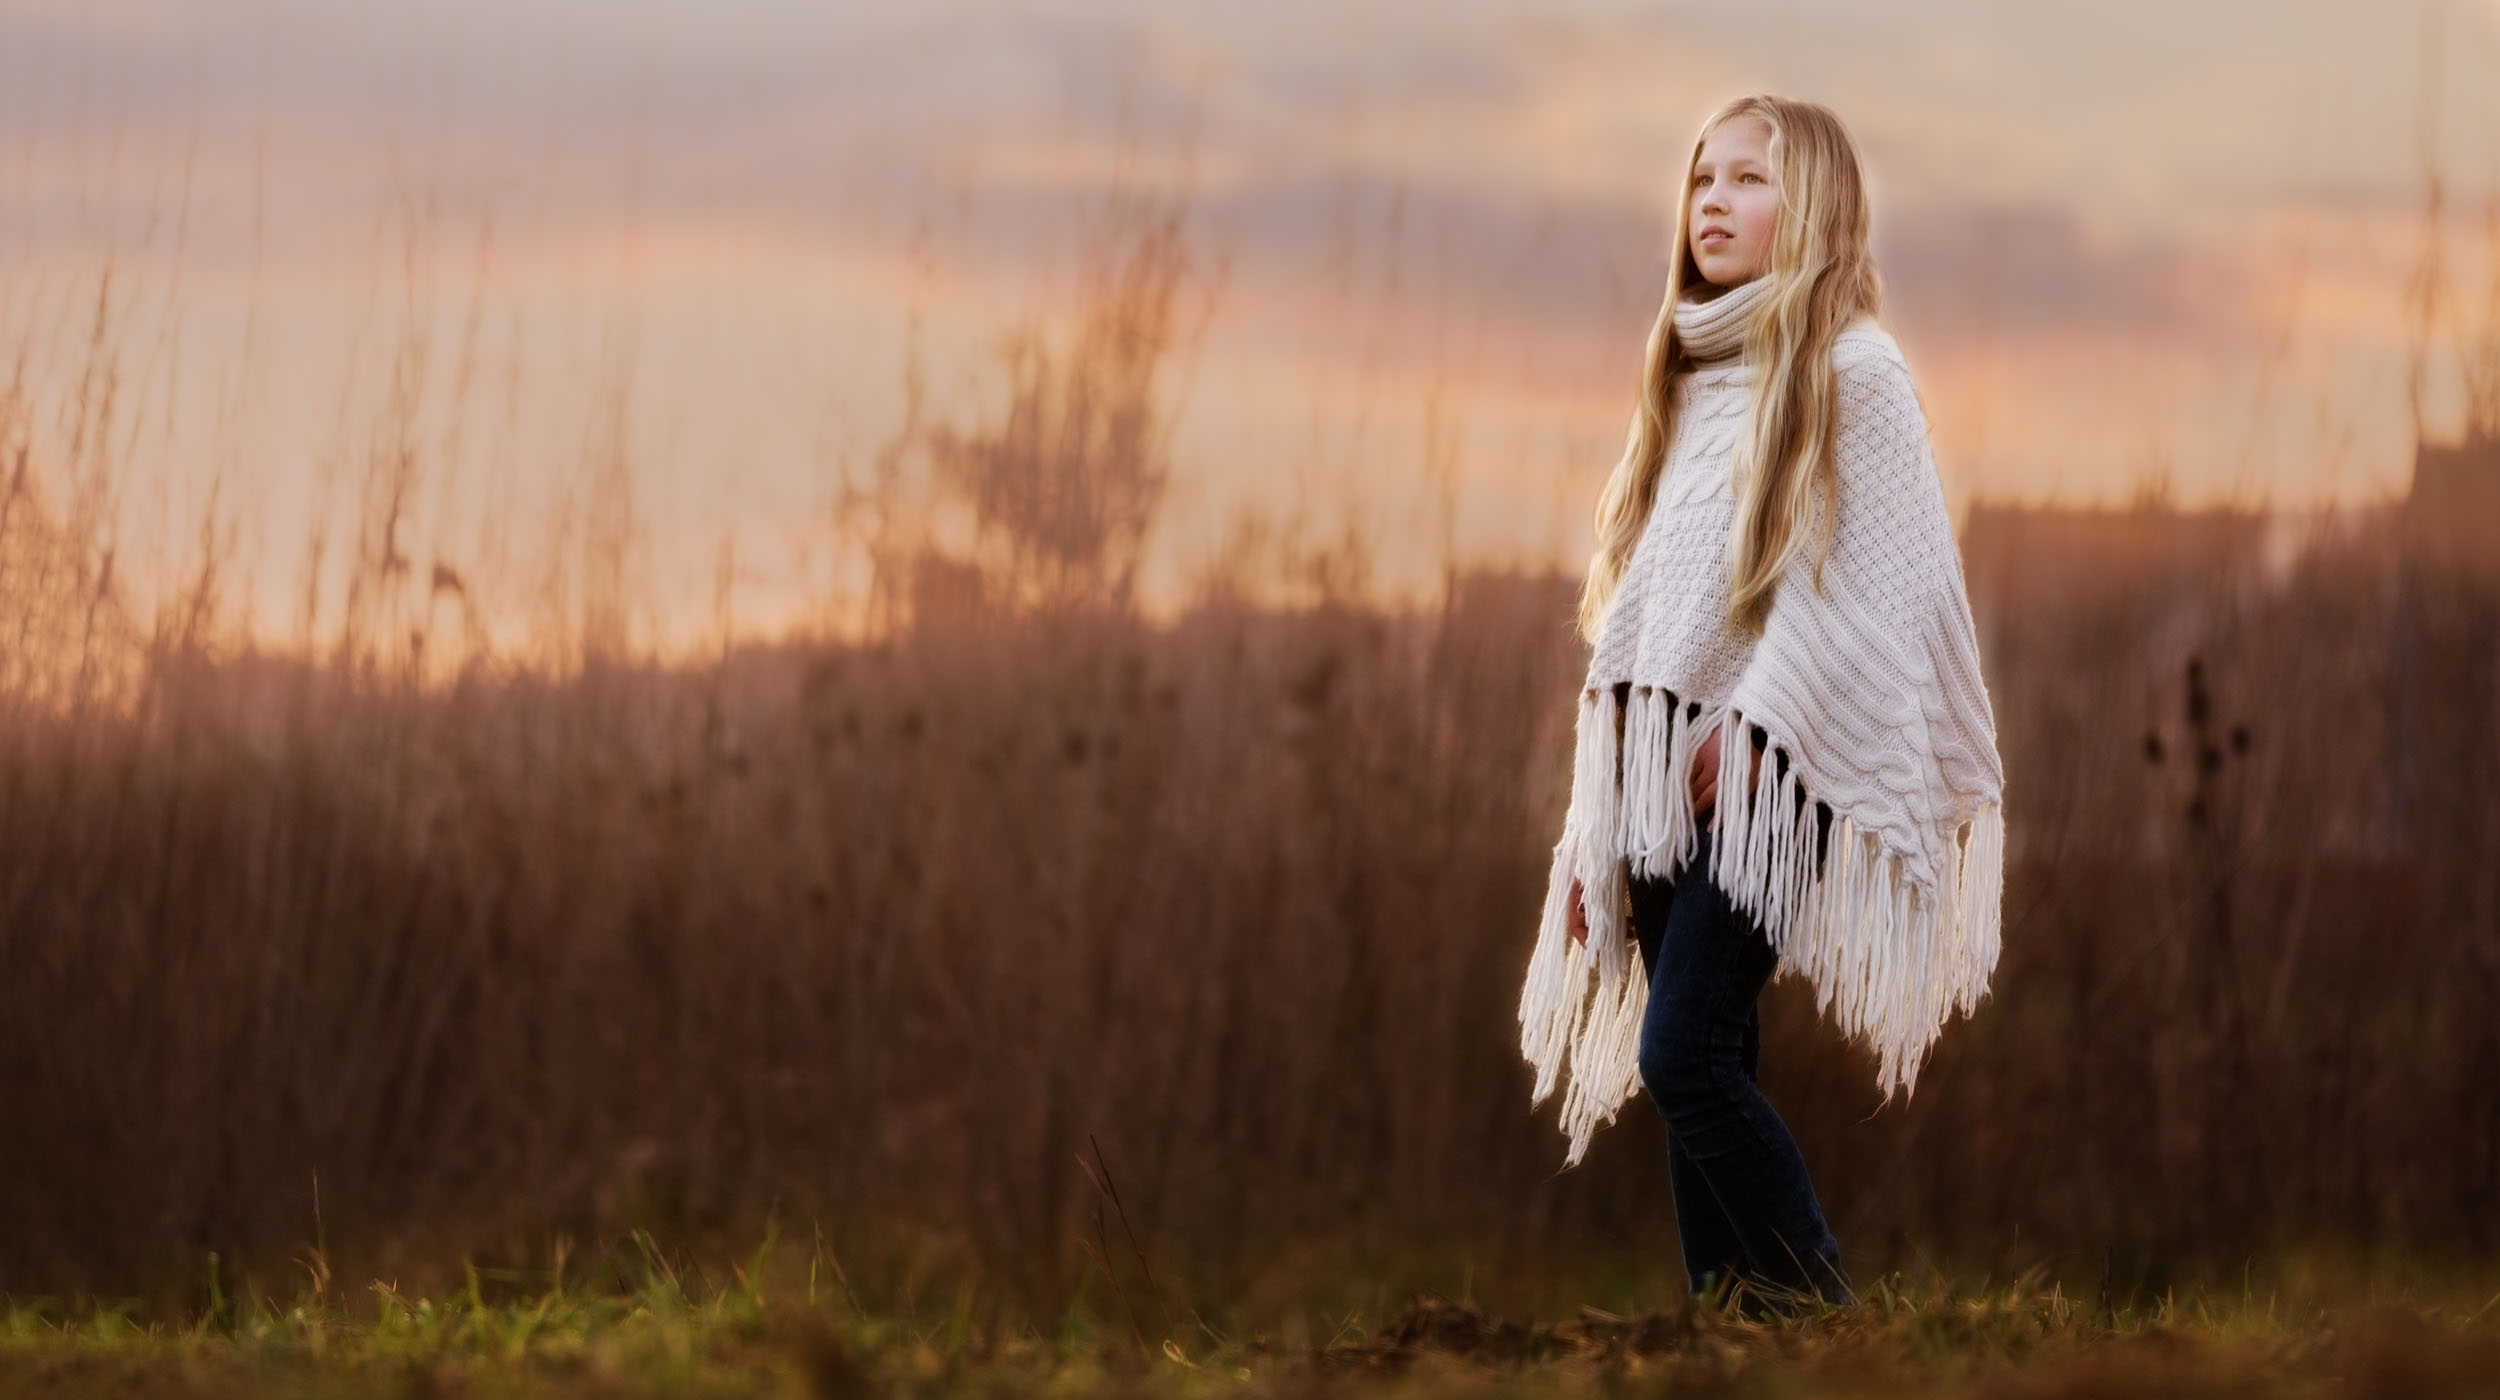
point(1869, 838)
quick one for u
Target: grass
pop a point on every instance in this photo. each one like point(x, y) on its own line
point(784, 1321)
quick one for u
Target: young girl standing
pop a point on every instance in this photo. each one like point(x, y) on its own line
point(1786, 757)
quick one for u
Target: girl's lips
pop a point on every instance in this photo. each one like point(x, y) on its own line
point(1716, 237)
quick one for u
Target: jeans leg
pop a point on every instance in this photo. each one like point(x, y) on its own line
point(1700, 1050)
point(1712, 1251)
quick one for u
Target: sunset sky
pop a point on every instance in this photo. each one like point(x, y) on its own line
point(504, 243)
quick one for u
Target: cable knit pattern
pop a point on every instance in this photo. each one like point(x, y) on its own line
point(1871, 844)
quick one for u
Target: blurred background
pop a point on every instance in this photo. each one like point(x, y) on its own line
point(640, 616)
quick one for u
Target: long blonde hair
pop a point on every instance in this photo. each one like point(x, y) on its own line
point(1822, 278)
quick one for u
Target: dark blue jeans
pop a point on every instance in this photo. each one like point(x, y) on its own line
point(1743, 1206)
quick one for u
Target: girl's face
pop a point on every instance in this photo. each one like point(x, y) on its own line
point(1736, 202)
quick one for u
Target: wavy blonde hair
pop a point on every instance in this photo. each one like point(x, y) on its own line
point(1822, 279)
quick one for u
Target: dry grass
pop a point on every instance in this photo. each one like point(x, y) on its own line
point(420, 961)
point(891, 931)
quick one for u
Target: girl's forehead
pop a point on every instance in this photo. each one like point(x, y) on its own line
point(1738, 138)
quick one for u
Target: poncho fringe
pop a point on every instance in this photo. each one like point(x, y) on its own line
point(1889, 959)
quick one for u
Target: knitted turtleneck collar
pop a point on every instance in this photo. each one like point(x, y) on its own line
point(1714, 329)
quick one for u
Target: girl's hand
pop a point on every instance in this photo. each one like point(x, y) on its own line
point(1579, 919)
point(1704, 778)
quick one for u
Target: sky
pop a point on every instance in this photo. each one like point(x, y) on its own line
point(542, 293)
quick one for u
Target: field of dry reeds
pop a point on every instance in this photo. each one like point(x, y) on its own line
point(1029, 934)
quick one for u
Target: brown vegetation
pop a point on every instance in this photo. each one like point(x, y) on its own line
point(885, 933)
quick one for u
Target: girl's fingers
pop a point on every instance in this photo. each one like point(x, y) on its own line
point(1705, 774)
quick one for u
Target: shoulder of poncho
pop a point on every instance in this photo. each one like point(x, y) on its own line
point(1865, 350)
point(1879, 405)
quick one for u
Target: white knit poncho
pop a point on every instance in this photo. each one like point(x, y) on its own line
point(1867, 700)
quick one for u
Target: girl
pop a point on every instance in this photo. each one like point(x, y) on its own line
point(1786, 758)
